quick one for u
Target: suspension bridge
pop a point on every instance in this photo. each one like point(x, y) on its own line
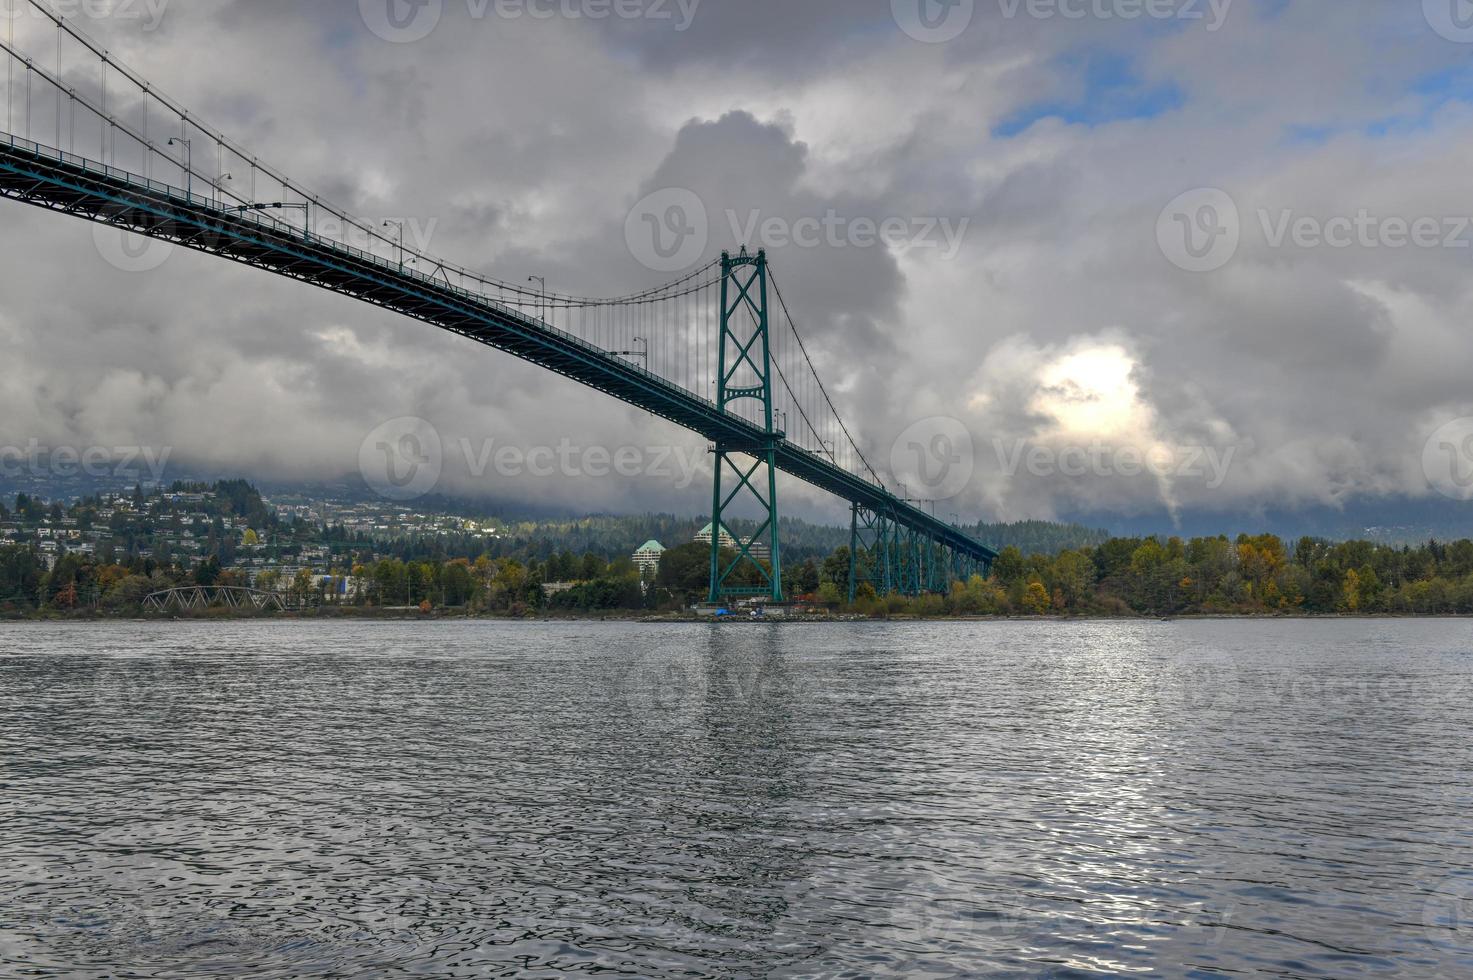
point(716, 351)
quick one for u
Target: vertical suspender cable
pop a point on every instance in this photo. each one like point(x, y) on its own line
point(10, 70)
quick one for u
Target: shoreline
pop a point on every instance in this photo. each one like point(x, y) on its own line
point(368, 615)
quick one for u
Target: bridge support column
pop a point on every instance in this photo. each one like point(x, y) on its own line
point(744, 358)
point(889, 570)
point(866, 550)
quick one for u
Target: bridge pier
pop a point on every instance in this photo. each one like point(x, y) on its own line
point(898, 560)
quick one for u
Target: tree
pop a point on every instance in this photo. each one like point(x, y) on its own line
point(593, 567)
point(208, 573)
point(836, 567)
point(1009, 566)
point(21, 573)
point(686, 568)
point(1036, 599)
point(806, 578)
point(302, 584)
point(562, 567)
point(1074, 578)
point(510, 580)
point(457, 584)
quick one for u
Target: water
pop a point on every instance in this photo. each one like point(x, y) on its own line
point(1285, 799)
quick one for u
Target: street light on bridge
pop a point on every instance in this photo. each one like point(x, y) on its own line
point(636, 353)
point(541, 282)
point(188, 161)
point(399, 225)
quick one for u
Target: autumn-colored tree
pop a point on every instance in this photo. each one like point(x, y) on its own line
point(1036, 599)
point(1350, 592)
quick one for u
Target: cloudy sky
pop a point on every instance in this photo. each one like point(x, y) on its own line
point(1158, 255)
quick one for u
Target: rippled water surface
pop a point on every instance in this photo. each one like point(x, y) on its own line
point(1286, 799)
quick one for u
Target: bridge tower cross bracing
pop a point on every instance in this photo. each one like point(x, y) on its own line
point(744, 372)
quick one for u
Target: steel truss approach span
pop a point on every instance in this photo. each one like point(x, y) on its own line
point(739, 374)
point(201, 597)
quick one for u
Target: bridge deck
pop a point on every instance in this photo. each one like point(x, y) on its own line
point(45, 177)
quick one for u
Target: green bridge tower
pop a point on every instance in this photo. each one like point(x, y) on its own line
point(744, 371)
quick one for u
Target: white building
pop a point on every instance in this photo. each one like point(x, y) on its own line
point(703, 536)
point(758, 549)
point(647, 558)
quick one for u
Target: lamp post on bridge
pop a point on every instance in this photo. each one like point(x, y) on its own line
point(399, 226)
point(277, 205)
point(188, 145)
point(636, 353)
point(541, 282)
